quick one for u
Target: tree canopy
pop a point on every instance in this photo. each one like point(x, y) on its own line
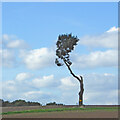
point(65, 44)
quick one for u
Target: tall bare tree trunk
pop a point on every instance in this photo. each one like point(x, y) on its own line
point(81, 84)
point(81, 92)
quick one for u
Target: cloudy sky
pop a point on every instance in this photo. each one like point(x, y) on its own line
point(30, 32)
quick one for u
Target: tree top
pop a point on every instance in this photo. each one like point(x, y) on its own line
point(65, 44)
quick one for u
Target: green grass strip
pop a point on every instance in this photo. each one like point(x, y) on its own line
point(59, 110)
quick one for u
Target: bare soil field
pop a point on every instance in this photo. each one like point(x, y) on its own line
point(61, 114)
point(66, 114)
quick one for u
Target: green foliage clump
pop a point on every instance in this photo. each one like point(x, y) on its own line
point(65, 44)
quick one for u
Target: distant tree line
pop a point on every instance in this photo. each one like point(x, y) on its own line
point(18, 103)
point(23, 103)
point(53, 103)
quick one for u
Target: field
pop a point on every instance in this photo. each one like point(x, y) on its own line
point(60, 112)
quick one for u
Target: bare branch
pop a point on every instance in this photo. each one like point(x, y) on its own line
point(71, 71)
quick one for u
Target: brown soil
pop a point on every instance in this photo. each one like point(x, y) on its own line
point(7, 109)
point(65, 114)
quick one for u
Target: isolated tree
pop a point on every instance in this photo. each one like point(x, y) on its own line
point(65, 44)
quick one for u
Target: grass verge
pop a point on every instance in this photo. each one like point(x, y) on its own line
point(61, 109)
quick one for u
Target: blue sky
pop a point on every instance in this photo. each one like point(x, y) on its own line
point(30, 32)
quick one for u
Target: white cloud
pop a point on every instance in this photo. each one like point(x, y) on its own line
point(101, 58)
point(8, 58)
point(5, 37)
point(40, 96)
point(43, 82)
point(9, 54)
point(13, 48)
point(38, 58)
point(17, 44)
point(113, 29)
point(23, 76)
point(108, 39)
point(35, 89)
point(8, 89)
point(11, 41)
point(32, 94)
point(10, 85)
point(68, 83)
point(32, 59)
point(103, 97)
point(101, 82)
point(107, 58)
point(100, 86)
